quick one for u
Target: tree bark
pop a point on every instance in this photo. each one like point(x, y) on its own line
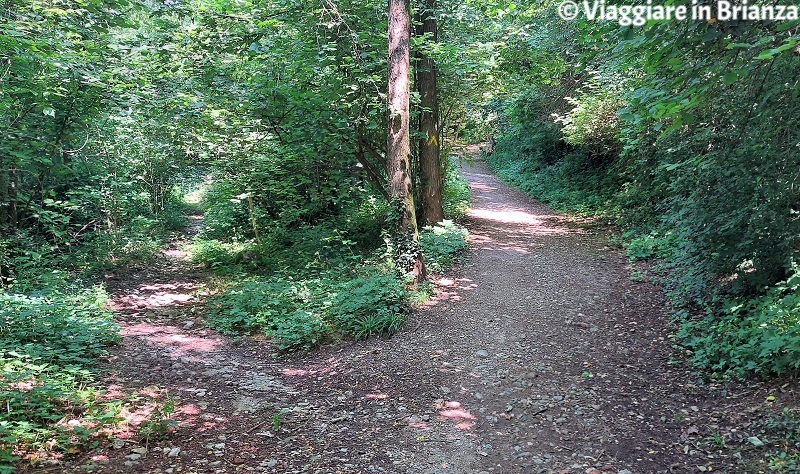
point(398, 150)
point(429, 147)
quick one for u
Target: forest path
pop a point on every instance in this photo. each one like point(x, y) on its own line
point(539, 354)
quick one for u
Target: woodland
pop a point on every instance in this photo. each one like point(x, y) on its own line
point(320, 153)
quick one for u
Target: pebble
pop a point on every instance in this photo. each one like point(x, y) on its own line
point(482, 353)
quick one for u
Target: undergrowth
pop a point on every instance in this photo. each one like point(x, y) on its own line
point(573, 184)
point(53, 329)
point(759, 335)
point(49, 343)
point(306, 284)
point(455, 193)
point(442, 245)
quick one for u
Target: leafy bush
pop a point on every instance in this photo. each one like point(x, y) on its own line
point(652, 245)
point(299, 314)
point(258, 304)
point(370, 305)
point(442, 244)
point(215, 253)
point(363, 223)
point(304, 250)
point(572, 184)
point(456, 195)
point(760, 336)
point(48, 346)
point(299, 330)
point(225, 217)
point(64, 330)
point(593, 122)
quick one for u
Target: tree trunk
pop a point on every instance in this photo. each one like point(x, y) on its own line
point(398, 150)
point(429, 147)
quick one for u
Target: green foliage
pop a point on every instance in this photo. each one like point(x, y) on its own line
point(784, 433)
point(299, 330)
point(82, 183)
point(277, 418)
point(300, 314)
point(370, 305)
point(48, 346)
point(760, 335)
point(572, 184)
point(258, 304)
point(593, 121)
point(456, 195)
point(160, 422)
point(653, 245)
point(53, 328)
point(442, 244)
point(215, 254)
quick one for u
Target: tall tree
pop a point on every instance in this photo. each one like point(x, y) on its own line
point(430, 164)
point(398, 146)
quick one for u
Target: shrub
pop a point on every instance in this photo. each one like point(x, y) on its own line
point(370, 305)
point(299, 314)
point(48, 346)
point(456, 195)
point(364, 222)
point(57, 329)
point(760, 336)
point(216, 254)
point(299, 330)
point(442, 244)
point(593, 122)
point(257, 305)
point(652, 245)
point(572, 184)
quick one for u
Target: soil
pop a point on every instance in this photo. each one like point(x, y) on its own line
point(538, 354)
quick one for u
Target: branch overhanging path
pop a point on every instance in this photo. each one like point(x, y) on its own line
point(537, 355)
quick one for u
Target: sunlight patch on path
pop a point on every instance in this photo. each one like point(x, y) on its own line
point(157, 295)
point(179, 343)
point(455, 412)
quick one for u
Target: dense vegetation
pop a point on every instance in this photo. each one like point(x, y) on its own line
point(686, 135)
point(275, 113)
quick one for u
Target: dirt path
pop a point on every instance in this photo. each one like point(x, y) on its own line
point(539, 355)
